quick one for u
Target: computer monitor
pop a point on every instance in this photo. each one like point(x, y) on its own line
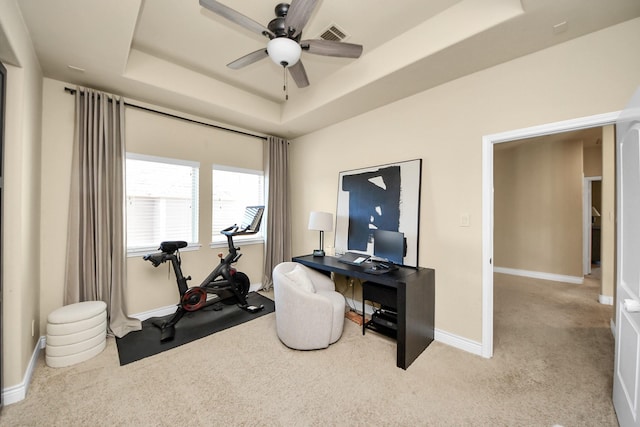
point(389, 245)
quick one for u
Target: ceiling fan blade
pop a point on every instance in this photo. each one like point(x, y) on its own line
point(332, 48)
point(299, 13)
point(249, 58)
point(299, 74)
point(236, 17)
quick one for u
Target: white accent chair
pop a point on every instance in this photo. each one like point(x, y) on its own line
point(309, 312)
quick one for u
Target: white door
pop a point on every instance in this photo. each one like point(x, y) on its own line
point(626, 378)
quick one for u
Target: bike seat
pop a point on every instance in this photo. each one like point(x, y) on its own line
point(171, 246)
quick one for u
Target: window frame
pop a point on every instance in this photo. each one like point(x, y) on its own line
point(191, 246)
point(258, 238)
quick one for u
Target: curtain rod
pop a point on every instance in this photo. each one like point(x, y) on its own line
point(73, 91)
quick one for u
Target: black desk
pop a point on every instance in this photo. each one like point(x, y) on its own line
point(415, 299)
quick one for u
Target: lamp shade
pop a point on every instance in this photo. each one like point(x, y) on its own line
point(322, 221)
point(284, 51)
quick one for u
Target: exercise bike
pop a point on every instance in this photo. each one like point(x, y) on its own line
point(225, 284)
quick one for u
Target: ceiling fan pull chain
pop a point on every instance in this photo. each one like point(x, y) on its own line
point(286, 85)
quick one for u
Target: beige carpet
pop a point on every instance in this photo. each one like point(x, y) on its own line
point(553, 364)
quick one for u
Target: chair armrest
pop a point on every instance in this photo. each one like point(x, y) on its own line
point(320, 281)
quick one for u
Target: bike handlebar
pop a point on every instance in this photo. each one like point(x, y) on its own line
point(234, 230)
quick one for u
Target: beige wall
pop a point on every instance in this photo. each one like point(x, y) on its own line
point(444, 126)
point(57, 142)
point(21, 204)
point(538, 207)
point(592, 157)
point(148, 288)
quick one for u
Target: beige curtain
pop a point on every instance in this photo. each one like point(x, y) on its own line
point(96, 249)
point(278, 221)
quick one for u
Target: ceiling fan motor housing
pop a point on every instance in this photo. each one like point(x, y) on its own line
point(276, 26)
point(282, 9)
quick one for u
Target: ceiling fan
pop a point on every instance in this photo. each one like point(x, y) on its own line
point(284, 33)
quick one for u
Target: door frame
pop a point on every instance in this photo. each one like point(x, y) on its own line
point(488, 142)
point(3, 108)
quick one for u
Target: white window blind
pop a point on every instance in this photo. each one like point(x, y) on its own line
point(162, 201)
point(233, 190)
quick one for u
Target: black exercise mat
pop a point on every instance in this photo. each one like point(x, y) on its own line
point(193, 325)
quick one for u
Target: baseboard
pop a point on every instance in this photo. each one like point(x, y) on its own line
point(577, 280)
point(444, 337)
point(606, 300)
point(613, 328)
point(458, 342)
point(170, 309)
point(18, 392)
point(156, 312)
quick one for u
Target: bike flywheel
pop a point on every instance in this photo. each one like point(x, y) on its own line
point(194, 299)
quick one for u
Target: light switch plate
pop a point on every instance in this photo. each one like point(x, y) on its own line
point(464, 220)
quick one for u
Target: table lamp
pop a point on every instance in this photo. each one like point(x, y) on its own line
point(321, 221)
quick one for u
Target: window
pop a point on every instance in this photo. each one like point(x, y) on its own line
point(233, 190)
point(162, 201)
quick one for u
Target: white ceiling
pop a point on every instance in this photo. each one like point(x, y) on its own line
point(173, 54)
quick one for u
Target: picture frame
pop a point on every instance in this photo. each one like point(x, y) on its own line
point(383, 197)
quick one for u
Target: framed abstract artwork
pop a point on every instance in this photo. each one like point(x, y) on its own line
point(385, 197)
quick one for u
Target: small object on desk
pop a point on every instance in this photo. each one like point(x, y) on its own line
point(376, 270)
point(380, 268)
point(353, 258)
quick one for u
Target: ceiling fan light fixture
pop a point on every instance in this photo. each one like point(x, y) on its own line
point(284, 51)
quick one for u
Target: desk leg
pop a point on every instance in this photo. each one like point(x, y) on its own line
point(364, 320)
point(401, 338)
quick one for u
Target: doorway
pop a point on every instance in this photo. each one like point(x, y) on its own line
point(488, 203)
point(591, 223)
